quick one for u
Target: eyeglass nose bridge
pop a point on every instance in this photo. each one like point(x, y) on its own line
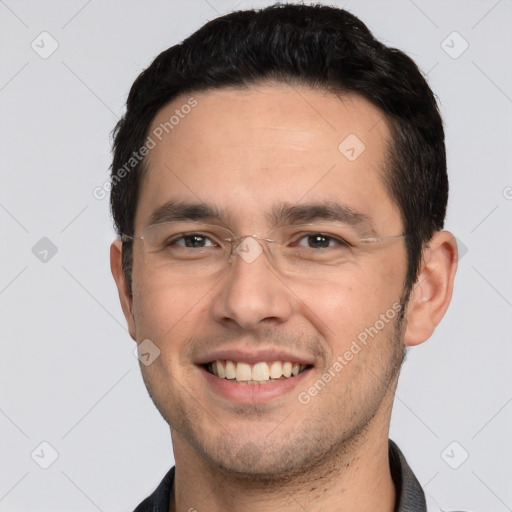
point(248, 247)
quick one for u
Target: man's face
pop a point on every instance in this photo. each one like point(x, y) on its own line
point(250, 156)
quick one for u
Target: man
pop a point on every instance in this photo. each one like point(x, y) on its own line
point(279, 188)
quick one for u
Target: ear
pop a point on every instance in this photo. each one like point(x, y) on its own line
point(433, 289)
point(116, 266)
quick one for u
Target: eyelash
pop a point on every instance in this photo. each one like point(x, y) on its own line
point(339, 241)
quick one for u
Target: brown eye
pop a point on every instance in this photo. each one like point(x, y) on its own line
point(321, 241)
point(193, 240)
point(318, 241)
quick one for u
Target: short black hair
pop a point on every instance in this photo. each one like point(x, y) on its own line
point(318, 46)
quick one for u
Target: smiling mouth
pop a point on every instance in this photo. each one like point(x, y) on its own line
point(259, 373)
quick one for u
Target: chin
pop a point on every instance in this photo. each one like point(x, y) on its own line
point(265, 460)
point(252, 464)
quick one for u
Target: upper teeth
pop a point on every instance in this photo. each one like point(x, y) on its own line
point(258, 372)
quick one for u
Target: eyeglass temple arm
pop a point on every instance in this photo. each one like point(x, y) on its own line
point(372, 240)
point(129, 238)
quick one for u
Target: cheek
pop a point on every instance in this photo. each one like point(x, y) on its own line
point(347, 307)
point(164, 311)
point(168, 316)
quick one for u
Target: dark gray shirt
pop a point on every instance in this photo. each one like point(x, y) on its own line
point(410, 496)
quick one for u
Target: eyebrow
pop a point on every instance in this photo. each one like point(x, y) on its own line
point(180, 210)
point(326, 211)
point(281, 215)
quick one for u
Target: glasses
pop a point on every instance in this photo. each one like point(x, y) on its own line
point(198, 250)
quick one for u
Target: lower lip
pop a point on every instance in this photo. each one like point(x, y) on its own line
point(253, 393)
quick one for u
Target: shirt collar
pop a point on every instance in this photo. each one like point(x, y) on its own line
point(409, 494)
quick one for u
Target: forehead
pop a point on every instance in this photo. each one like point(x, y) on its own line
point(248, 150)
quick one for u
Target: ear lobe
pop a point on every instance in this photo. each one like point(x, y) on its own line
point(125, 297)
point(432, 292)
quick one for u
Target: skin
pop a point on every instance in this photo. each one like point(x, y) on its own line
point(247, 151)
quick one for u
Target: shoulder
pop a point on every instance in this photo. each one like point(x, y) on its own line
point(159, 500)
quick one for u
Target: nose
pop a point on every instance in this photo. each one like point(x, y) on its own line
point(252, 294)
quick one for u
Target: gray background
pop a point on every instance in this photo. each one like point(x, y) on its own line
point(68, 374)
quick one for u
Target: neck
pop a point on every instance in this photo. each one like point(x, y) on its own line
point(357, 477)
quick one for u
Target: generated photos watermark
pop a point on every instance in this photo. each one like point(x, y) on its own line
point(152, 140)
point(356, 346)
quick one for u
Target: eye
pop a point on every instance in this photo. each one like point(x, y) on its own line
point(321, 241)
point(192, 240)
